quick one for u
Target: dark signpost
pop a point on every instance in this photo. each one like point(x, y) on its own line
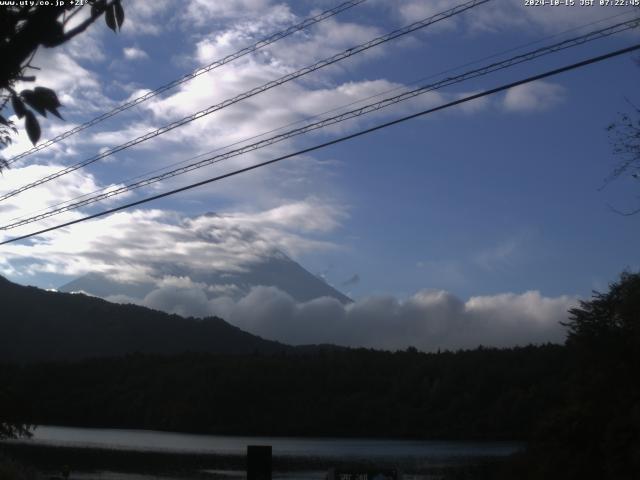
point(259, 462)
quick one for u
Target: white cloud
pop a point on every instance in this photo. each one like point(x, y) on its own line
point(413, 11)
point(534, 97)
point(183, 301)
point(240, 34)
point(307, 216)
point(428, 320)
point(285, 105)
point(134, 53)
point(87, 47)
point(136, 246)
point(148, 18)
point(35, 199)
point(473, 106)
point(324, 40)
point(504, 15)
point(202, 12)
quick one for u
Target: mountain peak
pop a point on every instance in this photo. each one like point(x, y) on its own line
point(275, 270)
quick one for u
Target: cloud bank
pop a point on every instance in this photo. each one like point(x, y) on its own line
point(137, 245)
point(429, 320)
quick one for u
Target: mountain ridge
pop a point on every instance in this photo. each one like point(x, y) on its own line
point(40, 325)
point(276, 270)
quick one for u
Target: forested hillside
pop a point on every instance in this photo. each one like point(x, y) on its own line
point(38, 325)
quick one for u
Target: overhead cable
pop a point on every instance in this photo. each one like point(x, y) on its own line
point(189, 76)
point(366, 109)
point(319, 115)
point(255, 91)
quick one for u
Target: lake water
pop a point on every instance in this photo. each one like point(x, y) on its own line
point(282, 446)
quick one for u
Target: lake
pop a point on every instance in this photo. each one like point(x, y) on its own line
point(284, 446)
point(310, 457)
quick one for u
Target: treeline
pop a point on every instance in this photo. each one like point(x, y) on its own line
point(479, 394)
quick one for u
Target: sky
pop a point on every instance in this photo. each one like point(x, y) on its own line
point(482, 223)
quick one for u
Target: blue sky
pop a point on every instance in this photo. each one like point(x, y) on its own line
point(499, 197)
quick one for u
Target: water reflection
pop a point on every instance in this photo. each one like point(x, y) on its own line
point(282, 446)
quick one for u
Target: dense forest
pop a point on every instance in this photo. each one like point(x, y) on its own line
point(484, 393)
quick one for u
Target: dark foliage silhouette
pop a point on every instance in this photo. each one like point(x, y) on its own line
point(594, 432)
point(12, 407)
point(624, 134)
point(25, 27)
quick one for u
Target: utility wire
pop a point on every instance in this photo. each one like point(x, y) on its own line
point(255, 91)
point(337, 140)
point(319, 115)
point(185, 78)
point(366, 109)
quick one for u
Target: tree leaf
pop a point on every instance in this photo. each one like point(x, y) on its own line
point(56, 113)
point(32, 126)
point(18, 107)
point(119, 11)
point(52, 34)
point(97, 8)
point(33, 101)
point(48, 96)
point(110, 18)
point(46, 99)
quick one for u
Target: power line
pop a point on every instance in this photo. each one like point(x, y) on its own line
point(189, 76)
point(366, 109)
point(255, 91)
point(337, 140)
point(336, 119)
point(318, 115)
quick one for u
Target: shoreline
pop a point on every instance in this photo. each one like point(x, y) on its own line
point(49, 458)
